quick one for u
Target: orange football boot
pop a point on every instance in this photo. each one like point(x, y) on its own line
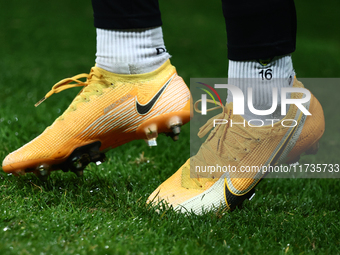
point(111, 109)
point(217, 177)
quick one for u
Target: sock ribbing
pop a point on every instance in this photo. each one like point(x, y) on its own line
point(130, 51)
point(262, 78)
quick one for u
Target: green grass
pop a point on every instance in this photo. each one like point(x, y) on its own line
point(105, 212)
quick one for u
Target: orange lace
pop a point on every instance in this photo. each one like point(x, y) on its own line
point(222, 130)
point(66, 83)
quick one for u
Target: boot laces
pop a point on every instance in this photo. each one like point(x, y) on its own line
point(221, 131)
point(64, 84)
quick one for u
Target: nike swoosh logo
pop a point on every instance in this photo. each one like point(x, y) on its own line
point(143, 109)
point(233, 200)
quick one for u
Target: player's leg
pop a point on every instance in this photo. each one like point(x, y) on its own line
point(133, 92)
point(261, 37)
point(129, 36)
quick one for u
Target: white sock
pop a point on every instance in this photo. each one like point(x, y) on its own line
point(130, 51)
point(262, 77)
